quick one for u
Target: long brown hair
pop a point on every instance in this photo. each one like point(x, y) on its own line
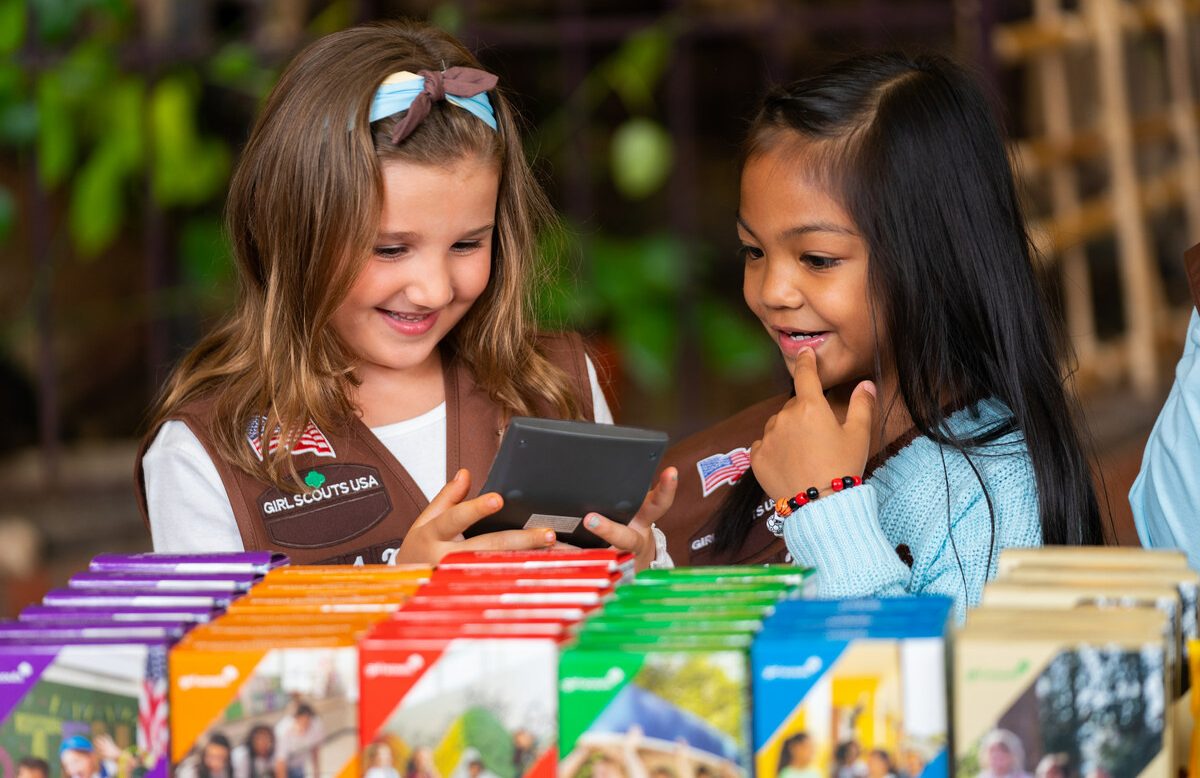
point(302, 215)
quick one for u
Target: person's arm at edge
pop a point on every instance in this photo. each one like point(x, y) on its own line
point(1165, 496)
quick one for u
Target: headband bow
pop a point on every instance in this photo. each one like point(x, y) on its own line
point(404, 91)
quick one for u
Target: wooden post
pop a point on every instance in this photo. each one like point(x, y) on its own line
point(1182, 109)
point(1056, 108)
point(1141, 285)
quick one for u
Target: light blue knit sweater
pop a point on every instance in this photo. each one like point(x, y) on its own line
point(851, 537)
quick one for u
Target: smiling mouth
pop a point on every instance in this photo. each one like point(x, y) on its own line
point(801, 334)
point(411, 318)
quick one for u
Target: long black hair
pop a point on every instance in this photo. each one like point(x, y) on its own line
point(911, 149)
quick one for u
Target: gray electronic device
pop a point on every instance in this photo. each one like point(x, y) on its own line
point(552, 473)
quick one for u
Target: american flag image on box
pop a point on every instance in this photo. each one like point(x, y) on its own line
point(721, 469)
point(152, 729)
point(311, 441)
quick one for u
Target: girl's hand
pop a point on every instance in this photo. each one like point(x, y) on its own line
point(438, 530)
point(637, 537)
point(804, 444)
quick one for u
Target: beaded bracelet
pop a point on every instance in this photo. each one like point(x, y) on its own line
point(785, 508)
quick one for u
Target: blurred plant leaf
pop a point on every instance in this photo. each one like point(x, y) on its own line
point(646, 337)
point(632, 272)
point(86, 71)
point(8, 213)
point(206, 257)
point(636, 284)
point(171, 116)
point(732, 345)
point(641, 157)
point(97, 205)
point(662, 258)
point(232, 62)
point(562, 302)
point(447, 16)
point(56, 18)
point(338, 15)
point(634, 70)
point(236, 66)
point(18, 122)
point(187, 169)
point(124, 128)
point(12, 25)
point(55, 131)
point(11, 81)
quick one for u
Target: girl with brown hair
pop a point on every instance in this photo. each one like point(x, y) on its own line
point(384, 223)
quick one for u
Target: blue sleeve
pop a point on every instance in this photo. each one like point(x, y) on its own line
point(953, 555)
point(1165, 497)
point(840, 536)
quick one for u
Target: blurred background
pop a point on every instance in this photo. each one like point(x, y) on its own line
point(120, 121)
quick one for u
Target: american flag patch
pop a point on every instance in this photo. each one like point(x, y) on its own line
point(311, 441)
point(721, 469)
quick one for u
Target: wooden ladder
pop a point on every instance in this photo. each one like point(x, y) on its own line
point(1100, 30)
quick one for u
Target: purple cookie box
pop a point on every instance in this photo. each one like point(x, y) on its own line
point(152, 583)
point(63, 615)
point(34, 640)
point(242, 562)
point(109, 599)
point(95, 629)
point(24, 661)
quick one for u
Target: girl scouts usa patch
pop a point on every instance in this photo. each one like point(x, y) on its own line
point(311, 441)
point(340, 502)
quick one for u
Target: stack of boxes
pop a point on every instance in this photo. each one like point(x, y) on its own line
point(508, 664)
point(83, 676)
point(658, 682)
point(276, 677)
point(843, 683)
point(461, 681)
point(1079, 654)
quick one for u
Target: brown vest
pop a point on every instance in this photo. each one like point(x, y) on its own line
point(690, 525)
point(1191, 261)
point(362, 500)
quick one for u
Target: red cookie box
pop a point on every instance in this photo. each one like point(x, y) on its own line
point(439, 699)
point(607, 559)
point(594, 576)
point(501, 593)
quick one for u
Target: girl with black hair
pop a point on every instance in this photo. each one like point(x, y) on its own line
point(886, 254)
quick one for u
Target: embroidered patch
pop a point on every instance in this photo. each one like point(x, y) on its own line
point(311, 441)
point(720, 469)
point(349, 500)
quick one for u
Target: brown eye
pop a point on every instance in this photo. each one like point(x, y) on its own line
point(820, 262)
point(390, 252)
point(466, 246)
point(746, 253)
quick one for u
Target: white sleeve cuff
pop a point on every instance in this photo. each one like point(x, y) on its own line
point(662, 559)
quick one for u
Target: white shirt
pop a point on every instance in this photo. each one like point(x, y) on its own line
point(190, 511)
point(297, 749)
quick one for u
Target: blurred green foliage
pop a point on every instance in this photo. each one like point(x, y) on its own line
point(114, 126)
point(103, 134)
point(634, 288)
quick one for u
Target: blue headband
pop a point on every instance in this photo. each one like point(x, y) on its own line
point(415, 93)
